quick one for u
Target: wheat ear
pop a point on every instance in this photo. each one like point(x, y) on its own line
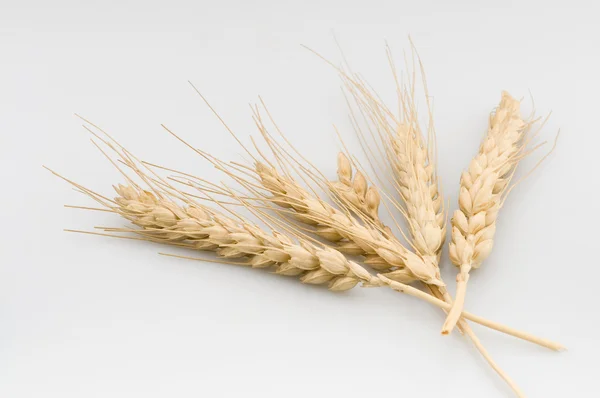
point(482, 188)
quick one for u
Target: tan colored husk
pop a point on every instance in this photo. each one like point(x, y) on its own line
point(482, 188)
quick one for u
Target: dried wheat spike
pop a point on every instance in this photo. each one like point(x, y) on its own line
point(415, 174)
point(482, 188)
point(200, 228)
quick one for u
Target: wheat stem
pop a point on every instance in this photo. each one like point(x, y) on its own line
point(412, 291)
point(488, 358)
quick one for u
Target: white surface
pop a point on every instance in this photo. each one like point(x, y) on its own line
point(84, 316)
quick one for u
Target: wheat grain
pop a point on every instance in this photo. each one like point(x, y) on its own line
point(482, 188)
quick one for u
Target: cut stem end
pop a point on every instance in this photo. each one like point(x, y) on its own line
point(459, 302)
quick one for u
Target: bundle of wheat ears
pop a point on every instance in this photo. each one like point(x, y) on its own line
point(302, 224)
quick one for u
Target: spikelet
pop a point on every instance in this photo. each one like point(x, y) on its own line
point(361, 197)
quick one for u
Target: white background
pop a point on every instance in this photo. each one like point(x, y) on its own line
point(84, 316)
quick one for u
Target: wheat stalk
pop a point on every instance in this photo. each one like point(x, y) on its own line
point(482, 189)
